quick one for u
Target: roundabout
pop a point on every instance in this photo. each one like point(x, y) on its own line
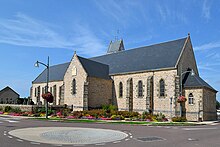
point(68, 135)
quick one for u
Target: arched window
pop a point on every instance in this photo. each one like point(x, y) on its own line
point(140, 89)
point(191, 99)
point(74, 86)
point(162, 88)
point(120, 89)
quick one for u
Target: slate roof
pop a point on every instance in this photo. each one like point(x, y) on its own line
point(56, 72)
point(94, 69)
point(153, 57)
point(6, 89)
point(195, 81)
point(163, 55)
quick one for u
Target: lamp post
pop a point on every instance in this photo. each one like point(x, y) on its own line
point(181, 86)
point(46, 90)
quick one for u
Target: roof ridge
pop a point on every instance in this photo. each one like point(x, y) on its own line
point(59, 64)
point(131, 49)
point(89, 59)
point(7, 87)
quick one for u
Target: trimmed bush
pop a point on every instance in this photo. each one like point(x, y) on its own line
point(16, 110)
point(117, 117)
point(8, 109)
point(179, 119)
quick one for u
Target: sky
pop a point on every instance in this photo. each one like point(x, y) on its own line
point(33, 30)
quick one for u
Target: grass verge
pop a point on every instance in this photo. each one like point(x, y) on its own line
point(120, 122)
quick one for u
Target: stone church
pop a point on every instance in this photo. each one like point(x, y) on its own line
point(148, 78)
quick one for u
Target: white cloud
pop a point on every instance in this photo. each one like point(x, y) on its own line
point(26, 31)
point(124, 12)
point(208, 46)
point(206, 9)
point(169, 14)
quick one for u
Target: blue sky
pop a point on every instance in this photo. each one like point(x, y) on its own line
point(32, 30)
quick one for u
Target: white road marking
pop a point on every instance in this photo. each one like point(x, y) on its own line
point(57, 144)
point(192, 139)
point(10, 137)
point(127, 139)
point(34, 142)
point(214, 124)
point(99, 144)
point(12, 121)
point(195, 129)
point(19, 140)
point(129, 133)
point(117, 142)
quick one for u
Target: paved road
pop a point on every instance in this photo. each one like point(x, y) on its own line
point(137, 136)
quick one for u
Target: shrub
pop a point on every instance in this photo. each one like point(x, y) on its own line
point(127, 114)
point(16, 110)
point(109, 108)
point(117, 117)
point(8, 109)
point(66, 112)
point(36, 114)
point(179, 119)
point(160, 117)
point(77, 114)
point(41, 110)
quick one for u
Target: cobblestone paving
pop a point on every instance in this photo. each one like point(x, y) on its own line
point(68, 135)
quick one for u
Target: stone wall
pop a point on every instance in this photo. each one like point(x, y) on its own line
point(139, 103)
point(160, 104)
point(187, 59)
point(77, 72)
point(30, 108)
point(194, 111)
point(163, 104)
point(204, 106)
point(209, 104)
point(57, 96)
point(99, 92)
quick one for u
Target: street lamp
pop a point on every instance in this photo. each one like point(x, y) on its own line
point(46, 90)
point(181, 86)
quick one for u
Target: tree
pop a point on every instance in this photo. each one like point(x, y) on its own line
point(217, 105)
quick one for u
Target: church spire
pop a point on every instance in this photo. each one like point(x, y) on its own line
point(115, 46)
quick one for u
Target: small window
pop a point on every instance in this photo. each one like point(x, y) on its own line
point(74, 86)
point(140, 89)
point(162, 88)
point(191, 99)
point(51, 89)
point(43, 90)
point(120, 89)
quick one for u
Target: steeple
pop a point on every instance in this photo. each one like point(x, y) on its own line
point(115, 46)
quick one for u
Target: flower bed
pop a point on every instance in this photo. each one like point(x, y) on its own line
point(108, 113)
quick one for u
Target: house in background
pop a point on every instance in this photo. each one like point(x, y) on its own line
point(149, 78)
point(8, 96)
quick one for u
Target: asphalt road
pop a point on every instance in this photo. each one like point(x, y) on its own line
point(138, 136)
